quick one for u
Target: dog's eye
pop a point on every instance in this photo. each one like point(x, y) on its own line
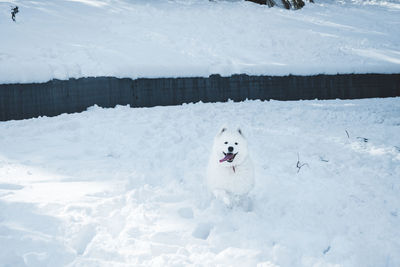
point(236, 143)
point(226, 143)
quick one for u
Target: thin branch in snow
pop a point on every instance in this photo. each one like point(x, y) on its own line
point(14, 11)
point(348, 136)
point(322, 159)
point(299, 165)
point(365, 140)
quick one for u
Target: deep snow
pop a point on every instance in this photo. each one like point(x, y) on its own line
point(126, 38)
point(125, 187)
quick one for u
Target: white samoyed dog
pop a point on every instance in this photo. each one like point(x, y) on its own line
point(230, 172)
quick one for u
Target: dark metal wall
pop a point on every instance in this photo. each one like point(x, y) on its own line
point(22, 101)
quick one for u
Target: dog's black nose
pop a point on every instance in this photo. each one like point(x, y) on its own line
point(230, 149)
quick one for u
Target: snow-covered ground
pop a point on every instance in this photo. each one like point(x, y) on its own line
point(168, 38)
point(125, 187)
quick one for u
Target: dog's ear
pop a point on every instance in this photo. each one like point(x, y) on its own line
point(240, 131)
point(224, 128)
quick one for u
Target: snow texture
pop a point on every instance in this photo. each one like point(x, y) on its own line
point(79, 38)
point(125, 187)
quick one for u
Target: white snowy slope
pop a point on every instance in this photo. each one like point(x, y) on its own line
point(125, 187)
point(79, 38)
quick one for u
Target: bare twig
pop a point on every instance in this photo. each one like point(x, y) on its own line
point(322, 159)
point(348, 136)
point(14, 11)
point(365, 140)
point(299, 165)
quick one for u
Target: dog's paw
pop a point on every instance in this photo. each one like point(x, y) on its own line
point(233, 201)
point(224, 197)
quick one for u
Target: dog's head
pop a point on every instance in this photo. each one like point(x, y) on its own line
point(230, 147)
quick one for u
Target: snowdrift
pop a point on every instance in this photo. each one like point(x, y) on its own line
point(125, 187)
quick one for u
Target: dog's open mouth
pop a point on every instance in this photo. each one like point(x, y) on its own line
point(229, 157)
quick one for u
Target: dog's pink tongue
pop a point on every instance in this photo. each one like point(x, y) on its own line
point(227, 157)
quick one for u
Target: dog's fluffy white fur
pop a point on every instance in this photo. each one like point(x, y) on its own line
point(230, 180)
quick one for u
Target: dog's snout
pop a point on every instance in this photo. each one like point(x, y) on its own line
point(230, 149)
